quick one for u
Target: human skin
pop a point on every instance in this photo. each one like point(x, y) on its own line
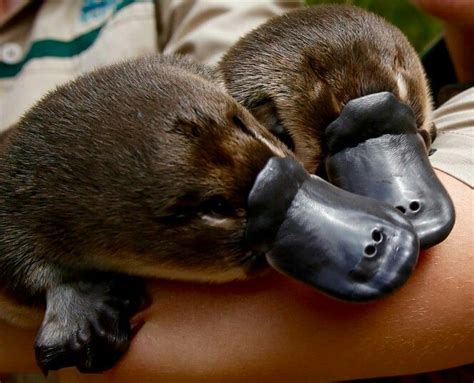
point(458, 21)
point(276, 329)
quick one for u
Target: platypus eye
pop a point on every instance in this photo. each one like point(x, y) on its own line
point(218, 206)
point(237, 121)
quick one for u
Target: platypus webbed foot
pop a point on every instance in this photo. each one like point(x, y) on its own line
point(86, 324)
point(375, 151)
point(348, 246)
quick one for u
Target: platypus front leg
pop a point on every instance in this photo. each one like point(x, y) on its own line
point(87, 322)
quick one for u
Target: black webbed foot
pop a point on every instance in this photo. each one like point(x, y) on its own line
point(348, 246)
point(86, 324)
point(375, 151)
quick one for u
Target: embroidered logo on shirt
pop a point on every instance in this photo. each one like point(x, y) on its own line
point(13, 59)
point(95, 9)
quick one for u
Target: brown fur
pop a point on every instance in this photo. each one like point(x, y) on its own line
point(297, 71)
point(142, 167)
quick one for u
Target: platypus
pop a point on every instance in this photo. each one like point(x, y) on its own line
point(346, 91)
point(140, 168)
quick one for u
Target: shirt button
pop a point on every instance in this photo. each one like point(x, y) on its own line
point(10, 53)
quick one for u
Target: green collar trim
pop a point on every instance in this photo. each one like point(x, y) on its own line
point(55, 48)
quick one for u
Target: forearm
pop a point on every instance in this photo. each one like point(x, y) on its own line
point(276, 329)
point(16, 349)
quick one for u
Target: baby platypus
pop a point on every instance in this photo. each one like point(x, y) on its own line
point(142, 168)
point(346, 91)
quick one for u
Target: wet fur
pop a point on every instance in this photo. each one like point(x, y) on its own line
point(297, 71)
point(113, 172)
point(140, 168)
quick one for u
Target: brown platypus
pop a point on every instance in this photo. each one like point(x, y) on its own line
point(346, 91)
point(140, 168)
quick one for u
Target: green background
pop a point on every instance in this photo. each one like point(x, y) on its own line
point(420, 29)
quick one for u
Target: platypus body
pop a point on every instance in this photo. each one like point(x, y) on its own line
point(347, 93)
point(133, 162)
point(141, 168)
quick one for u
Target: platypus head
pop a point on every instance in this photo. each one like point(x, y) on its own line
point(296, 73)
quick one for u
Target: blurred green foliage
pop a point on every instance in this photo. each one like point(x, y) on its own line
point(420, 29)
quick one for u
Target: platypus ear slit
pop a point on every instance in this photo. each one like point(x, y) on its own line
point(266, 112)
point(433, 132)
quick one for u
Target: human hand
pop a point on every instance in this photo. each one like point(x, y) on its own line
point(457, 12)
point(458, 20)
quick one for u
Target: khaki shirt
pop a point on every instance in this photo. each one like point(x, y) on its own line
point(455, 142)
point(47, 43)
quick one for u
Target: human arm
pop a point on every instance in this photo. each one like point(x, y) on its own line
point(279, 330)
point(273, 328)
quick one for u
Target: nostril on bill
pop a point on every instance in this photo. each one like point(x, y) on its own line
point(402, 209)
point(370, 250)
point(414, 206)
point(377, 236)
